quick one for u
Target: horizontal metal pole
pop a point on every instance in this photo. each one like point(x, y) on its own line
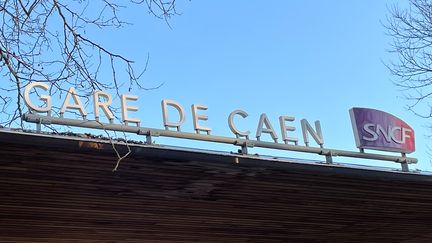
point(34, 118)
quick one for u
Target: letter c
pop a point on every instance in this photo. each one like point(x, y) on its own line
point(393, 135)
point(233, 128)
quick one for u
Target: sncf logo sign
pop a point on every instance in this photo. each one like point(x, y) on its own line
point(374, 129)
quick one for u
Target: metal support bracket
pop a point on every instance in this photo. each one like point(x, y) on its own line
point(39, 127)
point(39, 123)
point(243, 143)
point(245, 146)
point(404, 163)
point(149, 135)
point(405, 167)
point(328, 155)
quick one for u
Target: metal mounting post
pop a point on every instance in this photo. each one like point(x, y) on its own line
point(243, 143)
point(244, 149)
point(328, 155)
point(149, 139)
point(41, 120)
point(329, 159)
point(404, 163)
point(39, 126)
point(405, 167)
point(149, 135)
point(244, 146)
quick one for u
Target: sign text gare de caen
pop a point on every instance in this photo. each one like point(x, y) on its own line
point(372, 129)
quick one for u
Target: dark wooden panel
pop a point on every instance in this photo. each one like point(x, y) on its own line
point(64, 193)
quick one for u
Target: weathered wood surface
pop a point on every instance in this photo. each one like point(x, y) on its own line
point(67, 194)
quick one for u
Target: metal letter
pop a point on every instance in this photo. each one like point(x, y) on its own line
point(317, 135)
point(269, 128)
point(45, 98)
point(197, 117)
point(284, 129)
point(77, 105)
point(180, 110)
point(126, 108)
point(234, 128)
point(104, 105)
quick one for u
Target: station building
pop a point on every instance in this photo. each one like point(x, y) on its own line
point(62, 188)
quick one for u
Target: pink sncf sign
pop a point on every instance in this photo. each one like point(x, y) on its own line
point(379, 130)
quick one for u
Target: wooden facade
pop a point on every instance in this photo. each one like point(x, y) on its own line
point(62, 189)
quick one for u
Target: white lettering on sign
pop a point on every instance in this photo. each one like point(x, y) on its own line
point(77, 105)
point(390, 134)
point(285, 129)
point(233, 128)
point(197, 117)
point(45, 98)
point(316, 135)
point(268, 128)
point(126, 108)
point(104, 105)
point(103, 101)
point(180, 110)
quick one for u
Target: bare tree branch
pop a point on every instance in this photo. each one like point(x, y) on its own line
point(46, 41)
point(411, 31)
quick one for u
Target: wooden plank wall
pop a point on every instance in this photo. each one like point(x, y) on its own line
point(71, 195)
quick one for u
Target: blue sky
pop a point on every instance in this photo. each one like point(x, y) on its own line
point(307, 59)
